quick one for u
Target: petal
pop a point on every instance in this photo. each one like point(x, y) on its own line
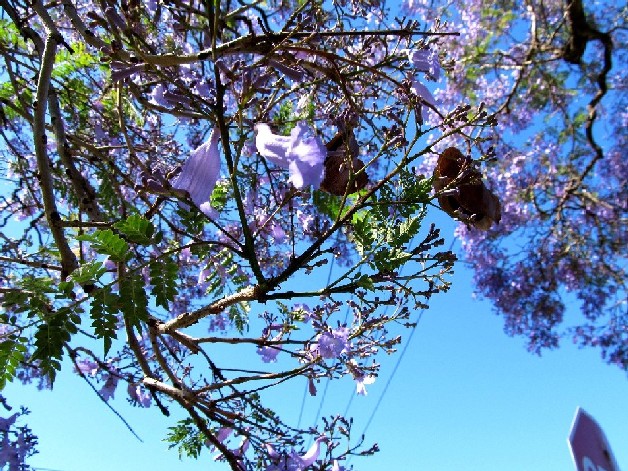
point(312, 454)
point(272, 146)
point(425, 60)
point(201, 171)
point(421, 91)
point(306, 155)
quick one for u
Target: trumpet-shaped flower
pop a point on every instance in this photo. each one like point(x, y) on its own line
point(422, 92)
point(302, 153)
point(269, 352)
point(360, 383)
point(201, 171)
point(425, 60)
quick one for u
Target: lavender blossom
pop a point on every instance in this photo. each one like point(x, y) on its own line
point(293, 461)
point(138, 396)
point(424, 95)
point(201, 171)
point(121, 71)
point(425, 60)
point(5, 424)
point(109, 388)
point(361, 381)
point(332, 344)
point(269, 352)
point(302, 153)
point(87, 367)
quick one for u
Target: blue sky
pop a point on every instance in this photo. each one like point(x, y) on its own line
point(464, 397)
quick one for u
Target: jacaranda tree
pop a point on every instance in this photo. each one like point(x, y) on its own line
point(180, 176)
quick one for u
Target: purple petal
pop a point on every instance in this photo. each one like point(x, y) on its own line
point(332, 344)
point(201, 171)
point(302, 153)
point(157, 95)
point(422, 92)
point(109, 388)
point(307, 156)
point(271, 146)
point(425, 60)
point(312, 454)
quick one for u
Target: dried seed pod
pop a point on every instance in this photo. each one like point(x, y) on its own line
point(341, 164)
point(463, 194)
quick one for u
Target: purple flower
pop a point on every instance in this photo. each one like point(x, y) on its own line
point(5, 424)
point(157, 95)
point(121, 71)
point(87, 367)
point(201, 171)
point(421, 91)
point(425, 60)
point(336, 467)
point(302, 153)
point(138, 396)
point(8, 454)
point(293, 461)
point(268, 354)
point(222, 434)
point(109, 388)
point(332, 344)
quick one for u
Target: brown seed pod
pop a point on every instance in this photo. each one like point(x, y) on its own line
point(463, 193)
point(341, 164)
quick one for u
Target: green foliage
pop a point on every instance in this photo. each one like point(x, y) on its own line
point(68, 62)
point(238, 314)
point(9, 34)
point(189, 440)
point(133, 299)
point(192, 220)
point(8, 95)
point(12, 351)
point(30, 296)
point(388, 226)
point(88, 273)
point(163, 275)
point(52, 334)
point(389, 259)
point(105, 306)
point(331, 205)
point(220, 195)
point(136, 229)
point(284, 118)
point(108, 243)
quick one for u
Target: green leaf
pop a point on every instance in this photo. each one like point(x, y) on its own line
point(108, 243)
point(220, 195)
point(388, 260)
point(365, 281)
point(363, 231)
point(104, 309)
point(163, 276)
point(189, 440)
point(400, 234)
point(56, 329)
point(89, 272)
point(12, 352)
point(133, 299)
point(136, 229)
